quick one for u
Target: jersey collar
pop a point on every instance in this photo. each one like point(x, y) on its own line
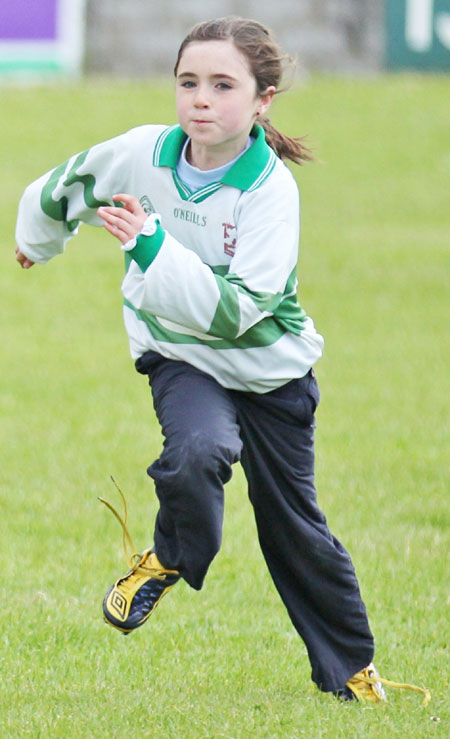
point(248, 173)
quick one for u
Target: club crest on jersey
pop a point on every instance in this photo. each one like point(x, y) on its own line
point(229, 235)
point(147, 204)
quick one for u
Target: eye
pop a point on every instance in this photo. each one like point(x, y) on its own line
point(187, 84)
point(224, 86)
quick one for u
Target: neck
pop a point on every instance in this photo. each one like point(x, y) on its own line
point(204, 157)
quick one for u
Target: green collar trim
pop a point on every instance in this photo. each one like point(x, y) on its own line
point(248, 173)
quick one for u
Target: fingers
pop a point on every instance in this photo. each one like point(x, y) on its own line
point(123, 222)
point(24, 262)
point(119, 223)
point(118, 232)
point(115, 215)
point(131, 203)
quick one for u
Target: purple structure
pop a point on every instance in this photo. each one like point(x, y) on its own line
point(41, 37)
point(28, 20)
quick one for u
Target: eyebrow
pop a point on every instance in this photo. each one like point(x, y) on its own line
point(220, 76)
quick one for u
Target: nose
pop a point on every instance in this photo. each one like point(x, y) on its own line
point(201, 99)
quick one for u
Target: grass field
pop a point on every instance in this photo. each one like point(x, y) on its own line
point(374, 274)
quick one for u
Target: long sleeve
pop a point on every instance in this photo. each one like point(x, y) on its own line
point(53, 206)
point(171, 282)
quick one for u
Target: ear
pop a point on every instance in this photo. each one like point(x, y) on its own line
point(265, 100)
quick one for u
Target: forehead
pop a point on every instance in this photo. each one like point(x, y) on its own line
point(213, 57)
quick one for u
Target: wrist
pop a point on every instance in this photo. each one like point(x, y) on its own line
point(149, 228)
point(144, 248)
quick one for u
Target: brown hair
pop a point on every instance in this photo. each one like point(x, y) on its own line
point(266, 61)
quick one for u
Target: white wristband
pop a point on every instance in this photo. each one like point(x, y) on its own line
point(148, 229)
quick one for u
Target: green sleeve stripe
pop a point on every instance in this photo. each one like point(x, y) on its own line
point(284, 306)
point(147, 247)
point(264, 301)
point(291, 281)
point(87, 180)
point(264, 333)
point(227, 317)
point(290, 315)
point(219, 269)
point(57, 209)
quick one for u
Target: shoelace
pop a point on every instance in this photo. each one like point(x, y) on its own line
point(131, 556)
point(403, 686)
point(133, 559)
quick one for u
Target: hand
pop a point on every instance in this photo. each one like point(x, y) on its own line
point(24, 262)
point(126, 222)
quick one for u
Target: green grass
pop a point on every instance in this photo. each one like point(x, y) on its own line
point(374, 269)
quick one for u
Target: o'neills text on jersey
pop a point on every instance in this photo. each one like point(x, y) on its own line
point(190, 216)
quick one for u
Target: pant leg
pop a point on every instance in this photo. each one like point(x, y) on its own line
point(310, 568)
point(201, 442)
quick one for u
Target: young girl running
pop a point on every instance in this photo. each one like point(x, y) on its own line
point(208, 217)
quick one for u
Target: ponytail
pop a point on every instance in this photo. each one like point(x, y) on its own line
point(266, 61)
point(284, 146)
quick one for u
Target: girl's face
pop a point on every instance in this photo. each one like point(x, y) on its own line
point(217, 101)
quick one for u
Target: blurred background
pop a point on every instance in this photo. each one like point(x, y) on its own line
point(373, 98)
point(140, 37)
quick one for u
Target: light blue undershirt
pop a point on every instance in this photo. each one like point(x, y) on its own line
point(196, 178)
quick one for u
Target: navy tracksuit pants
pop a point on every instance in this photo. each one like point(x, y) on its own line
point(208, 428)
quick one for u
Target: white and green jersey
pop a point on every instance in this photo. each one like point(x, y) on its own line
point(216, 284)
